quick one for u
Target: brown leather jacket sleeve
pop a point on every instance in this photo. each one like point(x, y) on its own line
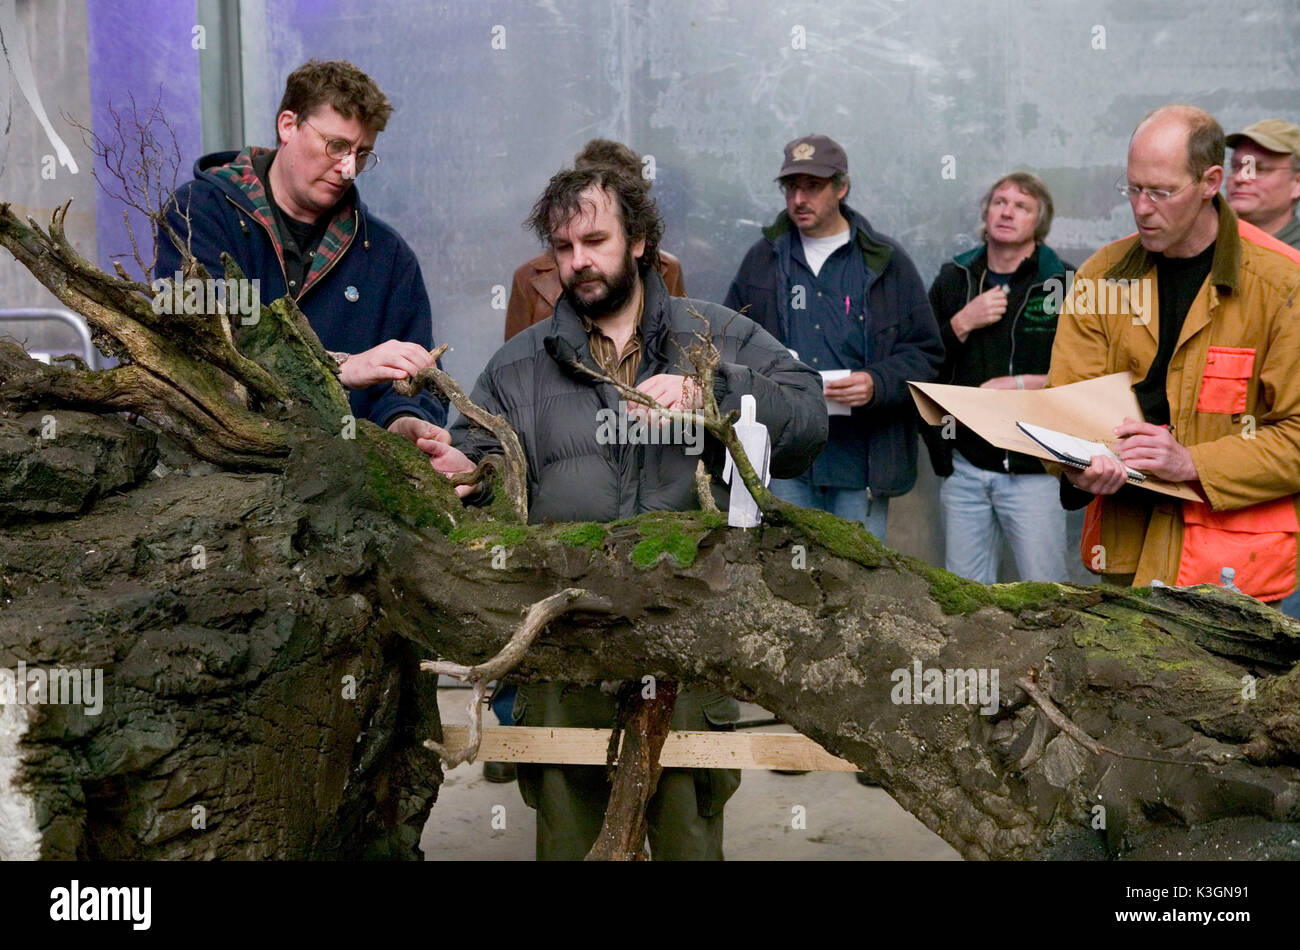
point(523, 300)
point(670, 268)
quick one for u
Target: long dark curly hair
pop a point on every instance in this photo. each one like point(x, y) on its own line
point(563, 198)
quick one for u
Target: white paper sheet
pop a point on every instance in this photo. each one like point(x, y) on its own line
point(835, 408)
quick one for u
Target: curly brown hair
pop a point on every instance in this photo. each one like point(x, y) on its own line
point(563, 198)
point(337, 83)
point(609, 152)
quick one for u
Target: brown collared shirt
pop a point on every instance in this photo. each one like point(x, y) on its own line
point(603, 350)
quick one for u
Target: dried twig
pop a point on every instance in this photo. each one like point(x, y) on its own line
point(704, 488)
point(488, 466)
point(515, 475)
point(137, 165)
point(535, 620)
point(704, 358)
point(1066, 725)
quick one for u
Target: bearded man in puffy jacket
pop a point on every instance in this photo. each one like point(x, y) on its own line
point(617, 317)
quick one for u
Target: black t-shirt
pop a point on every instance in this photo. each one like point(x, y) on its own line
point(1179, 280)
point(299, 239)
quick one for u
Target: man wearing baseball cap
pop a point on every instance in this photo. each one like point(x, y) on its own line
point(849, 302)
point(1264, 177)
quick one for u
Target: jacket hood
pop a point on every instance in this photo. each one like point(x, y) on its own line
point(234, 175)
point(232, 172)
point(875, 249)
point(1049, 263)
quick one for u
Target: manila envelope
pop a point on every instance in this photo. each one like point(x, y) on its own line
point(1088, 410)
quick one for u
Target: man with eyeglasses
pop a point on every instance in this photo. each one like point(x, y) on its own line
point(292, 219)
point(850, 303)
point(1264, 180)
point(1215, 358)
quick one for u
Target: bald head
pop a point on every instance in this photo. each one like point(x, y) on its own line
point(1191, 129)
point(1175, 168)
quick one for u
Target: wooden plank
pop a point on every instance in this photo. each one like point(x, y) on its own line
point(688, 750)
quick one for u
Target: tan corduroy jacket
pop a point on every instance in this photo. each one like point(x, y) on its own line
point(1234, 399)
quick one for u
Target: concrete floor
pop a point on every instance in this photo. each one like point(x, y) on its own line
point(475, 820)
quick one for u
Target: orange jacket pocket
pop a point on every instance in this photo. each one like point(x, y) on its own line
point(1258, 542)
point(1227, 374)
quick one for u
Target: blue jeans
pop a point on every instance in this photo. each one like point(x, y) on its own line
point(980, 506)
point(503, 702)
point(851, 504)
point(1290, 605)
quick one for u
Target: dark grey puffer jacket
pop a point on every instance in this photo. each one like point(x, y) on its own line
point(555, 411)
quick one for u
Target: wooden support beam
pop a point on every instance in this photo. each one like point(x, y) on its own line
point(684, 750)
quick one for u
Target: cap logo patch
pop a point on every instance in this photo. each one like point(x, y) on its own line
point(802, 152)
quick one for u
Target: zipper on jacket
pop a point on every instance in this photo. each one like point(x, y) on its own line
point(280, 257)
point(1011, 361)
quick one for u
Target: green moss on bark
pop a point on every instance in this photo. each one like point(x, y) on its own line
point(587, 534)
point(846, 539)
point(676, 534)
point(492, 532)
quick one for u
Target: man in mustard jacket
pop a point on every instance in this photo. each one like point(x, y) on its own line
point(1208, 321)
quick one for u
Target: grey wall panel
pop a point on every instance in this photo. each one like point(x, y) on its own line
point(54, 32)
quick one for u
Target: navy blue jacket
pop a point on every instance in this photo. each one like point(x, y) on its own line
point(358, 293)
point(902, 338)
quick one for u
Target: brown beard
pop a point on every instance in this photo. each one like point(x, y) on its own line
point(618, 289)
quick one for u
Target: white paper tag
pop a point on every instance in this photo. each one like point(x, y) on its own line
point(836, 408)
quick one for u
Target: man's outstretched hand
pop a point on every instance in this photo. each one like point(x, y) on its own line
point(856, 389)
point(435, 442)
point(383, 363)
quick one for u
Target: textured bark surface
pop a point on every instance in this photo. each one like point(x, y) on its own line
point(643, 725)
point(227, 616)
point(331, 552)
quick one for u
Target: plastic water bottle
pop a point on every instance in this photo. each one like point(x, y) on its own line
point(744, 511)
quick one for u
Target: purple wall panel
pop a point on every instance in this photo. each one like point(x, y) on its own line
point(142, 49)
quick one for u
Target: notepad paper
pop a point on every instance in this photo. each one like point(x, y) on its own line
point(836, 408)
point(1072, 450)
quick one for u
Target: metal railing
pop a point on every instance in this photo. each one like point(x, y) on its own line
point(57, 315)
